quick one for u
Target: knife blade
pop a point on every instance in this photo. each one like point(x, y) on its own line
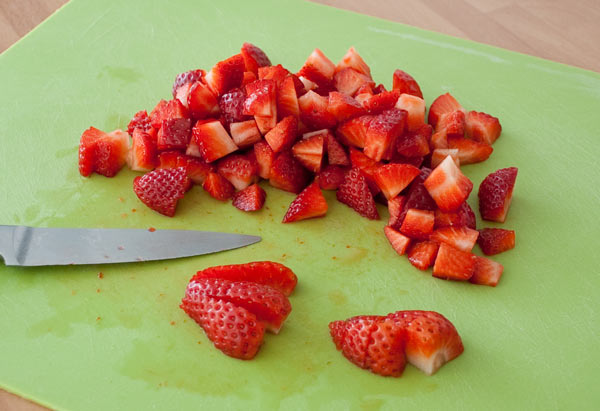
point(36, 246)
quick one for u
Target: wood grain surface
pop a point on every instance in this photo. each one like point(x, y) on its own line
point(558, 30)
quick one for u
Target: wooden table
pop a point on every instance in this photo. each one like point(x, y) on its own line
point(562, 31)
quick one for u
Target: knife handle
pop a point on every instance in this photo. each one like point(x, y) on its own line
point(7, 250)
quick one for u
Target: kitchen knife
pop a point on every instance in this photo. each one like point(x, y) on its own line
point(31, 246)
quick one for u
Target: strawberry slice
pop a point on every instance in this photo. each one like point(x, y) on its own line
point(383, 131)
point(355, 193)
point(378, 103)
point(344, 107)
point(495, 194)
point(142, 155)
point(415, 143)
point(287, 98)
point(201, 102)
point(218, 318)
point(354, 132)
point(393, 178)
point(268, 304)
point(415, 109)
point(314, 113)
point(463, 217)
point(269, 273)
point(352, 337)
point(453, 264)
point(318, 69)
point(102, 153)
point(448, 186)
point(310, 152)
point(283, 135)
point(461, 238)
point(336, 155)
point(226, 74)
point(496, 240)
point(353, 60)
point(241, 170)
point(395, 207)
point(406, 84)
point(140, 120)
point(254, 58)
point(261, 98)
point(439, 154)
point(245, 133)
point(349, 81)
point(470, 151)
point(264, 157)
point(162, 189)
point(487, 272)
point(444, 104)
point(218, 187)
point(251, 198)
point(422, 254)
point(309, 203)
point(231, 105)
point(174, 133)
point(288, 174)
point(331, 177)
point(417, 224)
point(482, 127)
point(212, 140)
point(187, 77)
point(398, 241)
point(431, 340)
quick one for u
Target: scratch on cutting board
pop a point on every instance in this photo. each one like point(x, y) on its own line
point(96, 21)
point(465, 50)
point(587, 82)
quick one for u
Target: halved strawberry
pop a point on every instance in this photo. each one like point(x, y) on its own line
point(461, 238)
point(261, 98)
point(331, 177)
point(344, 107)
point(440, 154)
point(495, 194)
point(355, 193)
point(444, 104)
point(218, 187)
point(162, 189)
point(197, 169)
point(482, 127)
point(415, 143)
point(309, 203)
point(264, 157)
point(166, 110)
point(395, 207)
point(353, 60)
point(487, 272)
point(269, 273)
point(232, 106)
point(463, 217)
point(393, 178)
point(212, 140)
point(174, 134)
point(415, 109)
point(418, 224)
point(383, 131)
point(354, 132)
point(431, 340)
point(453, 124)
point(448, 186)
point(336, 155)
point(241, 170)
point(245, 133)
point(288, 174)
point(381, 102)
point(453, 264)
point(142, 155)
point(187, 77)
point(251, 198)
point(226, 74)
point(287, 98)
point(283, 135)
point(406, 84)
point(218, 318)
point(318, 68)
point(313, 111)
point(349, 81)
point(398, 240)
point(470, 151)
point(140, 120)
point(352, 336)
point(496, 240)
point(254, 57)
point(201, 102)
point(421, 254)
point(101, 152)
point(310, 152)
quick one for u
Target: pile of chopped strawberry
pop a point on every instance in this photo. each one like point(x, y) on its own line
point(384, 344)
point(235, 304)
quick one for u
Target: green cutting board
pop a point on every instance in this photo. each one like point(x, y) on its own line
point(72, 340)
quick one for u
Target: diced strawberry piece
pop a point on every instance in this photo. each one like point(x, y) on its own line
point(156, 115)
point(212, 140)
point(171, 159)
point(218, 187)
point(226, 74)
point(167, 110)
point(254, 58)
point(395, 207)
point(415, 143)
point(232, 106)
point(265, 124)
point(269, 273)
point(413, 161)
point(251, 198)
point(309, 203)
point(463, 217)
point(439, 140)
point(448, 186)
point(187, 77)
point(461, 238)
point(218, 318)
point(318, 68)
point(310, 152)
point(331, 177)
point(183, 93)
point(201, 102)
point(349, 81)
point(406, 84)
point(344, 107)
point(444, 104)
point(162, 189)
point(398, 241)
point(453, 124)
point(245, 133)
point(197, 170)
point(336, 155)
point(353, 60)
point(355, 193)
point(422, 254)
point(482, 127)
point(307, 84)
point(380, 88)
point(440, 154)
point(417, 196)
point(241, 170)
point(287, 99)
point(495, 194)
point(383, 131)
point(470, 151)
point(393, 178)
point(418, 224)
point(142, 155)
point(314, 113)
point(453, 264)
point(487, 272)
point(249, 77)
point(261, 98)
point(496, 240)
point(415, 109)
point(140, 120)
point(431, 340)
point(264, 157)
point(277, 73)
point(381, 102)
point(366, 90)
point(174, 134)
point(354, 132)
point(283, 135)
point(367, 166)
point(102, 153)
point(288, 174)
